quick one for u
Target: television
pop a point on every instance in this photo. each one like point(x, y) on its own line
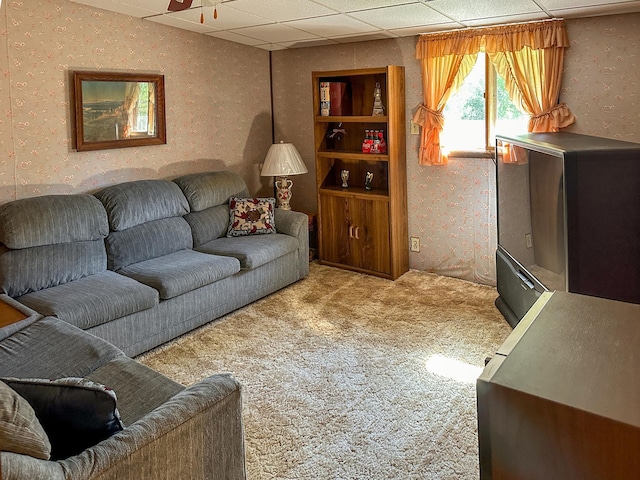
point(566, 218)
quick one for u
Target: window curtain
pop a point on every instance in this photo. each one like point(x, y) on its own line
point(441, 77)
point(532, 79)
point(528, 56)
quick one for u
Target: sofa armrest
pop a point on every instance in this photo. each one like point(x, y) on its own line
point(296, 224)
point(197, 434)
point(18, 467)
point(30, 316)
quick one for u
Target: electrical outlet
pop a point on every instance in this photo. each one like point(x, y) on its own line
point(415, 128)
point(415, 244)
point(528, 240)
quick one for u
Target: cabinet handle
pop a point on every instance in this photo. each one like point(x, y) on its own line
point(350, 231)
point(357, 233)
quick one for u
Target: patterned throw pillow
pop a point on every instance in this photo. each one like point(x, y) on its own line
point(75, 413)
point(20, 430)
point(251, 216)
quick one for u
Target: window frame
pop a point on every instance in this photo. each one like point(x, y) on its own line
point(491, 114)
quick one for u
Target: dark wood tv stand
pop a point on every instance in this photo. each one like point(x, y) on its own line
point(561, 397)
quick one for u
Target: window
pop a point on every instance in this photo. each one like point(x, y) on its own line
point(480, 109)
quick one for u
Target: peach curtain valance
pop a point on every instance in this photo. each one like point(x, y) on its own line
point(529, 56)
point(505, 38)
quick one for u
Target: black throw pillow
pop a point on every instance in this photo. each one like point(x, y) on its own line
point(75, 413)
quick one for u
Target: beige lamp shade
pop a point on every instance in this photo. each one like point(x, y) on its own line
point(283, 160)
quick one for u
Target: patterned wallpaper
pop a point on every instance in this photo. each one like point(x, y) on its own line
point(218, 114)
point(452, 208)
point(601, 83)
point(218, 108)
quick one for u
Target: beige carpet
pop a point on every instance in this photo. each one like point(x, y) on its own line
point(348, 376)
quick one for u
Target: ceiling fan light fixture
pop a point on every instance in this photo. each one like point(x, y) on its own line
point(210, 3)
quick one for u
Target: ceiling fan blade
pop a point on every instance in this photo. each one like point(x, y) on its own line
point(179, 5)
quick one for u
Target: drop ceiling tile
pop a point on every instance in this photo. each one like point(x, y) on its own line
point(525, 17)
point(228, 18)
point(401, 16)
point(333, 25)
point(271, 46)
point(275, 33)
point(463, 11)
point(355, 5)
point(118, 7)
point(564, 4)
point(436, 27)
point(588, 8)
point(309, 43)
point(155, 6)
point(178, 22)
point(234, 37)
point(596, 10)
point(281, 10)
point(382, 35)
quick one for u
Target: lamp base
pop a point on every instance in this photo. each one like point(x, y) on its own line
point(283, 193)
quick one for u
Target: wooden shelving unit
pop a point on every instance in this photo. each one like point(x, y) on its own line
point(359, 229)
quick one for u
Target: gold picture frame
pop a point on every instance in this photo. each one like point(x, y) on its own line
point(117, 110)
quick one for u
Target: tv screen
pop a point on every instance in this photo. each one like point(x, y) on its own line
point(531, 212)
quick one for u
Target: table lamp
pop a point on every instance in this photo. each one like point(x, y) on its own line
point(283, 160)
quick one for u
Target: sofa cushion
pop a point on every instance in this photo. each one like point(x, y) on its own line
point(251, 216)
point(149, 240)
point(133, 203)
point(51, 219)
point(75, 413)
point(209, 189)
point(32, 269)
point(52, 348)
point(208, 224)
point(180, 272)
point(93, 300)
point(253, 250)
point(20, 430)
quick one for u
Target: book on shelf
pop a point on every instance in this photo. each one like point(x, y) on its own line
point(335, 99)
point(325, 99)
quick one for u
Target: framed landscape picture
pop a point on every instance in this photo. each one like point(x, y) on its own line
point(115, 110)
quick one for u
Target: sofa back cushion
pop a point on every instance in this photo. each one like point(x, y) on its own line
point(133, 203)
point(210, 189)
point(145, 218)
point(147, 241)
point(50, 240)
point(31, 269)
point(208, 194)
point(52, 219)
point(208, 224)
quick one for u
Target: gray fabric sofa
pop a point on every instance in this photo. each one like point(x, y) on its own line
point(170, 433)
point(104, 277)
point(140, 263)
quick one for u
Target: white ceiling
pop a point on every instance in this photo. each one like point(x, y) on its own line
point(281, 24)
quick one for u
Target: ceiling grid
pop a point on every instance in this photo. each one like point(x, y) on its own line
point(281, 24)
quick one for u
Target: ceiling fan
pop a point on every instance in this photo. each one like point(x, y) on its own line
point(179, 5)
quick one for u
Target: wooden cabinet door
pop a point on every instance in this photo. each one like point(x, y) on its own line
point(355, 232)
point(334, 241)
point(370, 235)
